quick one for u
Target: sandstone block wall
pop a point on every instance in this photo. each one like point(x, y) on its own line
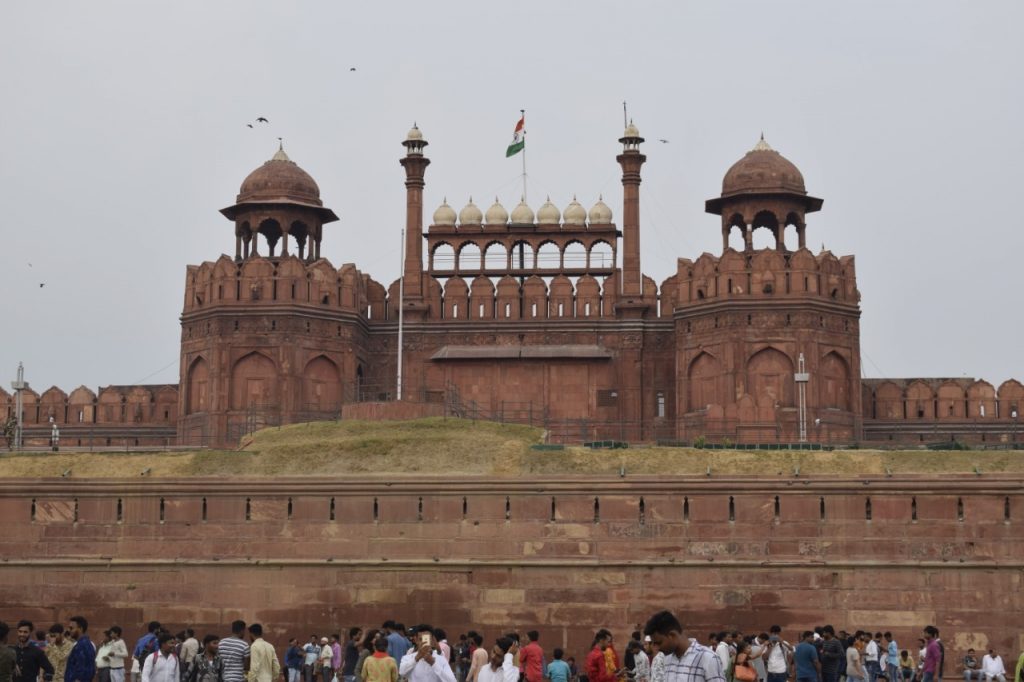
point(565, 556)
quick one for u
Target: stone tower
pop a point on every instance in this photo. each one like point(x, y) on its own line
point(745, 318)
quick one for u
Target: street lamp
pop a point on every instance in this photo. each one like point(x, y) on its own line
point(19, 385)
point(1013, 416)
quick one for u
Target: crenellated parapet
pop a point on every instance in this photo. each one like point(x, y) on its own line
point(953, 399)
point(143, 404)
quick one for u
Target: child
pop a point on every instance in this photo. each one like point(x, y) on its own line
point(558, 670)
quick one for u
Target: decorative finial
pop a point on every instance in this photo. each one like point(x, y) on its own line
point(574, 196)
point(445, 200)
point(762, 146)
point(600, 197)
point(471, 198)
point(280, 155)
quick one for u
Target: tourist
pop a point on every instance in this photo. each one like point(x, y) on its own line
point(189, 648)
point(461, 654)
point(379, 666)
point(336, 658)
point(207, 666)
point(501, 666)
point(724, 653)
point(311, 654)
point(892, 658)
point(743, 671)
point(531, 658)
point(907, 668)
point(992, 667)
point(350, 654)
point(146, 644)
point(424, 662)
point(263, 663)
point(1017, 675)
point(366, 649)
point(854, 665)
point(611, 657)
point(641, 662)
point(324, 662)
point(685, 660)
point(871, 663)
point(234, 652)
point(81, 663)
point(442, 643)
point(162, 665)
point(293, 660)
point(931, 656)
point(596, 665)
point(103, 658)
point(805, 659)
point(758, 648)
point(8, 660)
point(972, 667)
point(657, 657)
point(831, 654)
point(57, 650)
point(778, 656)
point(398, 645)
point(558, 670)
point(479, 657)
point(29, 659)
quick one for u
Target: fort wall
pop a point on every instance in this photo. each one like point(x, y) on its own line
point(566, 556)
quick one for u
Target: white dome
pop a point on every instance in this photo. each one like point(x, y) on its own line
point(496, 214)
point(600, 214)
point(445, 214)
point(522, 214)
point(574, 213)
point(548, 213)
point(414, 133)
point(631, 130)
point(470, 214)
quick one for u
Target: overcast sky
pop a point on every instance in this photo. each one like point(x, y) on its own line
point(124, 131)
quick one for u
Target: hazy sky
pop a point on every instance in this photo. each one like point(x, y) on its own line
point(123, 133)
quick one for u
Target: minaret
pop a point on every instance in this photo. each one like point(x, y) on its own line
point(415, 165)
point(631, 160)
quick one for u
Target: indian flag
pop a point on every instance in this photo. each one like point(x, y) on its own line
point(518, 138)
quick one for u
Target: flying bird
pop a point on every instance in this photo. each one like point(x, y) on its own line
point(352, 68)
point(42, 284)
point(248, 125)
point(262, 120)
point(663, 141)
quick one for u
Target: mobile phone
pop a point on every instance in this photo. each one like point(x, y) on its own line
point(424, 638)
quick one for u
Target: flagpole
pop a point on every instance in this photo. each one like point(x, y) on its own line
point(522, 112)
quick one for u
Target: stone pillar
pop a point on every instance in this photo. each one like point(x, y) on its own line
point(284, 243)
point(726, 229)
point(255, 243)
point(801, 233)
point(748, 238)
point(238, 246)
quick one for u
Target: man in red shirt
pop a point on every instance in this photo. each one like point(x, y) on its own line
point(596, 666)
point(531, 658)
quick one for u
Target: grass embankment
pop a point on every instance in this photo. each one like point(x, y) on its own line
point(437, 446)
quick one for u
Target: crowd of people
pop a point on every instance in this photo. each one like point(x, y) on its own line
point(659, 652)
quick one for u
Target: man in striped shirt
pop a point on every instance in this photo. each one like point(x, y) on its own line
point(234, 652)
point(685, 659)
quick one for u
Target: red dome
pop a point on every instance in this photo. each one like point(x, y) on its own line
point(279, 179)
point(763, 171)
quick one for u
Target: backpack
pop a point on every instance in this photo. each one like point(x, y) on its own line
point(147, 650)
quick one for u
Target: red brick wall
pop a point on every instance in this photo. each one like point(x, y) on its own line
point(545, 559)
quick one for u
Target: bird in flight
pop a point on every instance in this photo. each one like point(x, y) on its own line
point(248, 125)
point(42, 284)
point(352, 68)
point(262, 120)
point(663, 141)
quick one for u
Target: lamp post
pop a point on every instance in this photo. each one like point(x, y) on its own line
point(1013, 438)
point(801, 378)
point(18, 385)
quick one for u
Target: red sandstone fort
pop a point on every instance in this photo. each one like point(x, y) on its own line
point(543, 317)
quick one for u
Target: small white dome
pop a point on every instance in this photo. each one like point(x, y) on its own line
point(470, 214)
point(445, 214)
point(548, 213)
point(631, 130)
point(522, 214)
point(574, 213)
point(414, 133)
point(496, 214)
point(600, 214)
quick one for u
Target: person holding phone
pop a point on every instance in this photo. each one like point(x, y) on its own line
point(424, 662)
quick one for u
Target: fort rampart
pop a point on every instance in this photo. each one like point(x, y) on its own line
point(566, 556)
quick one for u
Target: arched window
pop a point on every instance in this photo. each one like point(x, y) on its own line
point(443, 257)
point(602, 256)
point(469, 257)
point(575, 256)
point(548, 256)
point(495, 257)
point(522, 256)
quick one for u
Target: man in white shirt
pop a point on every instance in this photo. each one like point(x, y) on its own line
point(501, 667)
point(723, 652)
point(992, 667)
point(778, 656)
point(685, 659)
point(424, 662)
point(757, 651)
point(117, 655)
point(162, 664)
point(189, 647)
point(871, 665)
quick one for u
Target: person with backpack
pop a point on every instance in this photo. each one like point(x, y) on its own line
point(162, 665)
point(147, 644)
point(207, 666)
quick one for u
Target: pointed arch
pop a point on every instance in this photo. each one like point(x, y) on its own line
point(253, 382)
point(321, 385)
point(705, 382)
point(197, 395)
point(835, 381)
point(770, 378)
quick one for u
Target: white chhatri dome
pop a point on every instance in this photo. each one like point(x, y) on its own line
point(470, 214)
point(600, 214)
point(445, 214)
point(574, 213)
point(496, 214)
point(548, 213)
point(631, 130)
point(522, 214)
point(414, 133)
